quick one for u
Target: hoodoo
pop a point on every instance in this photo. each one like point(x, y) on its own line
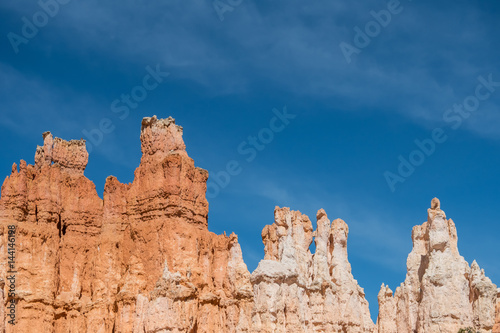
point(296, 291)
point(441, 293)
point(139, 260)
point(142, 259)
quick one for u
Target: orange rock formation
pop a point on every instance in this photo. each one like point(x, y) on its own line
point(142, 259)
point(139, 260)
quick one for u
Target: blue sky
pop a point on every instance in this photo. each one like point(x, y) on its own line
point(353, 120)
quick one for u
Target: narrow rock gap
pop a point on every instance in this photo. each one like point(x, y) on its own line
point(195, 327)
point(36, 213)
point(312, 246)
point(59, 226)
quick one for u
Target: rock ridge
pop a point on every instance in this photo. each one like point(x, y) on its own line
point(142, 258)
point(297, 291)
point(139, 260)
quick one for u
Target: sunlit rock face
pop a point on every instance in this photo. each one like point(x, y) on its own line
point(142, 260)
point(139, 260)
point(496, 328)
point(297, 291)
point(441, 293)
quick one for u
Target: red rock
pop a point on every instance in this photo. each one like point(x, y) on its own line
point(91, 265)
point(142, 260)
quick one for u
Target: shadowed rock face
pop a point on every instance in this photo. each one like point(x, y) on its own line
point(142, 259)
point(441, 292)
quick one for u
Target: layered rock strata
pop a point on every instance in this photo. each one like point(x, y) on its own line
point(297, 291)
point(142, 259)
point(139, 260)
point(441, 293)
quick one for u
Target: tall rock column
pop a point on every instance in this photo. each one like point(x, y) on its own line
point(441, 292)
point(496, 328)
point(297, 291)
point(57, 217)
point(139, 260)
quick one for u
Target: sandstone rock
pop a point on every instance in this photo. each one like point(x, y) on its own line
point(87, 264)
point(72, 156)
point(297, 291)
point(441, 292)
point(496, 328)
point(142, 260)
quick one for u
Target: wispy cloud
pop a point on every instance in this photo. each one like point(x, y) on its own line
point(33, 105)
point(296, 47)
point(384, 243)
point(38, 102)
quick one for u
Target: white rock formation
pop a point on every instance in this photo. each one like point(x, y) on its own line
point(441, 292)
point(297, 291)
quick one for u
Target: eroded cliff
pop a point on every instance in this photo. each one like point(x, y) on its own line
point(297, 291)
point(142, 259)
point(441, 293)
point(139, 260)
